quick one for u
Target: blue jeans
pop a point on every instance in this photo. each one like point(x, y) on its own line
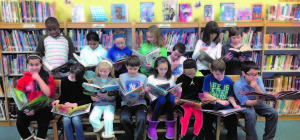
point(271, 116)
point(163, 104)
point(108, 112)
point(76, 120)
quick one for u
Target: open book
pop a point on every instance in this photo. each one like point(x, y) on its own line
point(150, 57)
point(63, 68)
point(24, 105)
point(223, 113)
point(243, 51)
point(120, 64)
point(159, 91)
point(81, 61)
point(193, 104)
point(92, 89)
point(71, 111)
point(273, 96)
point(204, 57)
point(132, 97)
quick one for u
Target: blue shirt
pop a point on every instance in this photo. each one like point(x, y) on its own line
point(219, 89)
point(115, 54)
point(241, 85)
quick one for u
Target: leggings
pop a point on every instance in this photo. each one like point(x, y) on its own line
point(188, 111)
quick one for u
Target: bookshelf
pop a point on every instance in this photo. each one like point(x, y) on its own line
point(134, 26)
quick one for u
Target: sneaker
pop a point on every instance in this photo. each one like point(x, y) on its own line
point(100, 130)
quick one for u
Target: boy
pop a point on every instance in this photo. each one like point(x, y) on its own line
point(219, 87)
point(119, 51)
point(57, 49)
point(234, 61)
point(130, 81)
point(176, 59)
point(251, 81)
point(191, 87)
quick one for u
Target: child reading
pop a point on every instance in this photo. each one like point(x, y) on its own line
point(35, 83)
point(177, 59)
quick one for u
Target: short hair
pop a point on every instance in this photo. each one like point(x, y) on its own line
point(51, 20)
point(180, 47)
point(160, 60)
point(78, 70)
point(189, 64)
point(218, 65)
point(133, 61)
point(92, 36)
point(233, 31)
point(248, 65)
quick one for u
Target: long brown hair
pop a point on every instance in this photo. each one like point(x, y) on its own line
point(156, 33)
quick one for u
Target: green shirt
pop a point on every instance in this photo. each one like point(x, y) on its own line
point(145, 48)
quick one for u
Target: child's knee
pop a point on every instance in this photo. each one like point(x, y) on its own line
point(161, 99)
point(125, 119)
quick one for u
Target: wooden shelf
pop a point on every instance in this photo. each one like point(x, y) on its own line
point(285, 49)
point(283, 118)
point(281, 71)
point(98, 25)
point(283, 24)
point(4, 123)
point(257, 49)
point(25, 25)
point(13, 74)
point(9, 52)
point(237, 23)
point(168, 24)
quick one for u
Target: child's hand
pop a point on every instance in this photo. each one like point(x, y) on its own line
point(54, 103)
point(30, 113)
point(148, 65)
point(237, 106)
point(148, 89)
point(253, 84)
point(223, 102)
point(175, 63)
point(228, 57)
point(36, 76)
point(242, 58)
point(67, 104)
point(203, 48)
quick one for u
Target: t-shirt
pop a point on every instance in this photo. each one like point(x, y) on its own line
point(179, 70)
point(93, 57)
point(219, 89)
point(190, 87)
point(165, 84)
point(129, 83)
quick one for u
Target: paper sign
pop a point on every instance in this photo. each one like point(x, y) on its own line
point(229, 24)
point(98, 25)
point(164, 25)
point(29, 26)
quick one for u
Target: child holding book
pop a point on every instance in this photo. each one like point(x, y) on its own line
point(35, 83)
point(72, 96)
point(191, 87)
point(104, 103)
point(251, 81)
point(119, 51)
point(93, 53)
point(177, 59)
point(209, 45)
point(219, 88)
point(153, 39)
point(129, 81)
point(162, 78)
point(234, 62)
point(56, 49)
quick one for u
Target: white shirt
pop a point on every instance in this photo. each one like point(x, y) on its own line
point(93, 57)
point(155, 81)
point(179, 70)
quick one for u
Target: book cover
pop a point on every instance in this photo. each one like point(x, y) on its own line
point(132, 97)
point(227, 11)
point(223, 113)
point(242, 14)
point(147, 11)
point(92, 89)
point(273, 96)
point(63, 68)
point(297, 13)
point(159, 90)
point(78, 13)
point(150, 57)
point(245, 50)
point(257, 12)
point(204, 57)
point(185, 12)
point(71, 111)
point(209, 13)
point(98, 13)
point(81, 61)
point(189, 103)
point(169, 11)
point(120, 65)
point(119, 13)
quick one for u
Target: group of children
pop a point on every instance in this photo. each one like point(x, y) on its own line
point(166, 71)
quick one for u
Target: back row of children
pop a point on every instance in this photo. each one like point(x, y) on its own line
point(58, 49)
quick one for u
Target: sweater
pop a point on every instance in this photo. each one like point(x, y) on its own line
point(115, 54)
point(109, 81)
point(93, 57)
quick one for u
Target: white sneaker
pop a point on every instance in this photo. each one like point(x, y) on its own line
point(37, 138)
point(29, 138)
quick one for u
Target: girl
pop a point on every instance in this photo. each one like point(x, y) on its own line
point(35, 83)
point(153, 39)
point(162, 77)
point(104, 103)
point(93, 53)
point(72, 95)
point(209, 44)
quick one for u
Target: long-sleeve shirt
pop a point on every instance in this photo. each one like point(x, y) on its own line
point(115, 54)
point(190, 87)
point(213, 50)
point(93, 57)
point(100, 82)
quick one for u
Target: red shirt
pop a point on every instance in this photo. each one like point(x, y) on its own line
point(29, 86)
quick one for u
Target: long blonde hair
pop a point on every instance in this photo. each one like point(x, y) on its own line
point(156, 32)
point(105, 62)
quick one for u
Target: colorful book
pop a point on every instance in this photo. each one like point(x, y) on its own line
point(78, 13)
point(297, 13)
point(169, 11)
point(223, 113)
point(257, 12)
point(227, 11)
point(150, 57)
point(119, 12)
point(147, 11)
point(243, 14)
point(81, 61)
point(132, 97)
point(92, 89)
point(71, 111)
point(209, 13)
point(159, 91)
point(98, 13)
point(185, 12)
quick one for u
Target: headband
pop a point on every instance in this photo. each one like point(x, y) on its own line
point(34, 55)
point(162, 60)
point(108, 62)
point(118, 35)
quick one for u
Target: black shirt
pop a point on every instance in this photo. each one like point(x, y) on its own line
point(190, 87)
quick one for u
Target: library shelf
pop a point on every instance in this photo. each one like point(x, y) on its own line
point(33, 25)
point(17, 52)
point(98, 25)
point(281, 71)
point(282, 23)
point(283, 49)
point(167, 24)
point(237, 23)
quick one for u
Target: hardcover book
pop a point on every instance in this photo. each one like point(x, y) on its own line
point(78, 13)
point(227, 11)
point(71, 111)
point(257, 12)
point(243, 14)
point(150, 57)
point(92, 89)
point(209, 13)
point(185, 12)
point(119, 13)
point(147, 11)
point(169, 10)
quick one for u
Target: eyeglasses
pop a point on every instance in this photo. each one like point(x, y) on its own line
point(252, 75)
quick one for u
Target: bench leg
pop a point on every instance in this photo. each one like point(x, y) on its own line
point(218, 127)
point(55, 132)
point(65, 136)
point(98, 136)
point(175, 130)
point(145, 132)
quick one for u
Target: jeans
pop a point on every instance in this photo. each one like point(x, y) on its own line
point(108, 112)
point(42, 116)
point(163, 104)
point(76, 120)
point(271, 116)
point(134, 132)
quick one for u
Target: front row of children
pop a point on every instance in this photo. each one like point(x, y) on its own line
point(216, 86)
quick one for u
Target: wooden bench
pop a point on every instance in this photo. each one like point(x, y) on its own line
point(53, 122)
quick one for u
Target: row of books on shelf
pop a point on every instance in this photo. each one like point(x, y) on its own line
point(284, 12)
point(2, 109)
point(282, 83)
point(14, 64)
point(282, 40)
point(20, 40)
point(27, 11)
point(281, 62)
point(256, 57)
point(286, 107)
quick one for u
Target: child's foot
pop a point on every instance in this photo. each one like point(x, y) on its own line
point(180, 137)
point(99, 130)
point(195, 137)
